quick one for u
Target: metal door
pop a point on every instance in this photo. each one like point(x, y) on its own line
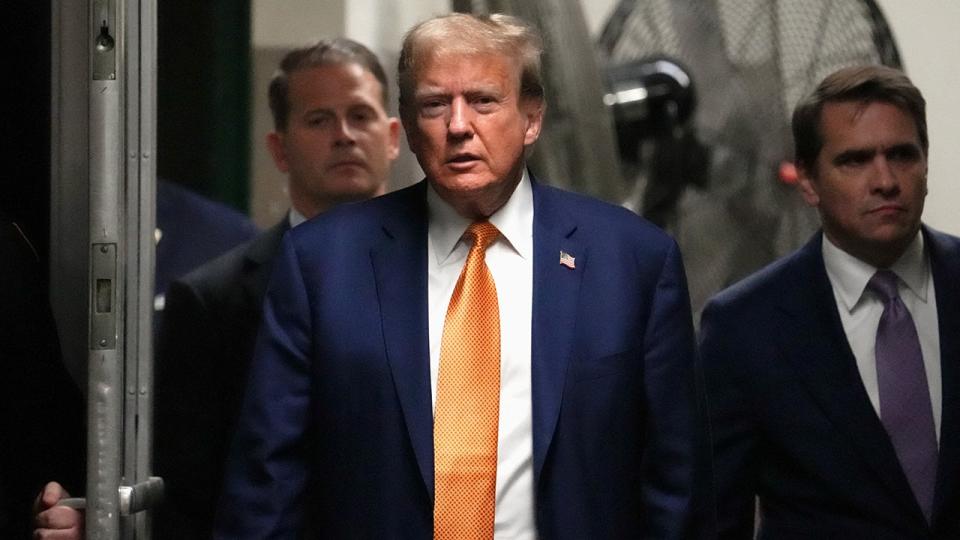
point(102, 246)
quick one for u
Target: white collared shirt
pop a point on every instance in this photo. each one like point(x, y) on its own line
point(860, 312)
point(295, 218)
point(510, 260)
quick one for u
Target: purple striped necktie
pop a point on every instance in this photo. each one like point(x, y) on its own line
point(905, 408)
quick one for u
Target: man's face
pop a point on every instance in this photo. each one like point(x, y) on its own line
point(870, 179)
point(339, 141)
point(469, 126)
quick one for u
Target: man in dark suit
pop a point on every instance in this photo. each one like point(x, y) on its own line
point(335, 141)
point(41, 409)
point(191, 230)
point(832, 375)
point(407, 385)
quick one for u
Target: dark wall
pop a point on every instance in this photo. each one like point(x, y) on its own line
point(203, 64)
point(25, 119)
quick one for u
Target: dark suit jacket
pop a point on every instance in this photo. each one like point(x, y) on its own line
point(193, 230)
point(791, 420)
point(203, 355)
point(336, 434)
point(41, 409)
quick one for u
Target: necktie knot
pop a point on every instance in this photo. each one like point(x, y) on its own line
point(484, 233)
point(884, 283)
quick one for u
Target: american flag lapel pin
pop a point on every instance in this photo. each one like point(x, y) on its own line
point(567, 260)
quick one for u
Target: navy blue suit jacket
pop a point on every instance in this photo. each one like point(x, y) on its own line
point(203, 355)
point(791, 420)
point(194, 230)
point(336, 436)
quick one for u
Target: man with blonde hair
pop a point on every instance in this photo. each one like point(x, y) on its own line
point(476, 356)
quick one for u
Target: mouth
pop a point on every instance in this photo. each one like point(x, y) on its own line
point(349, 163)
point(462, 161)
point(887, 209)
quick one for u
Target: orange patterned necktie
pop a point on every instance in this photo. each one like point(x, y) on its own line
point(468, 401)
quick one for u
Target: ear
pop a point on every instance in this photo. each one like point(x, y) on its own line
point(806, 183)
point(533, 109)
point(277, 150)
point(393, 140)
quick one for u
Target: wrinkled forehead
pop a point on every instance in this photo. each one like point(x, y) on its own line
point(481, 62)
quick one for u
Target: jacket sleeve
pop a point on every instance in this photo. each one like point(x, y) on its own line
point(190, 431)
point(735, 437)
point(676, 489)
point(268, 468)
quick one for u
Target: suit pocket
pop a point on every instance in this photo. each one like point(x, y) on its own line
point(605, 366)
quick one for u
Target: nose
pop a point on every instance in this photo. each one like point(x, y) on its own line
point(460, 123)
point(343, 132)
point(885, 178)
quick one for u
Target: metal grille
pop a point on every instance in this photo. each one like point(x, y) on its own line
point(751, 61)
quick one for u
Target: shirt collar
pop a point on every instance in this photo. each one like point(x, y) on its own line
point(514, 220)
point(849, 275)
point(296, 218)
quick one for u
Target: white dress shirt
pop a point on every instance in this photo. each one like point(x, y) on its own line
point(295, 218)
point(510, 259)
point(860, 312)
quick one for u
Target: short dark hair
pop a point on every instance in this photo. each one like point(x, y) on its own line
point(867, 84)
point(323, 53)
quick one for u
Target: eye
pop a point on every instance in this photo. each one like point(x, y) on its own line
point(318, 120)
point(362, 115)
point(484, 103)
point(905, 153)
point(432, 108)
point(853, 158)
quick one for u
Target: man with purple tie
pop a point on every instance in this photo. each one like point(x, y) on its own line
point(833, 375)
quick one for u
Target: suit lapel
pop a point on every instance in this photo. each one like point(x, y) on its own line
point(945, 266)
point(258, 263)
point(555, 293)
point(400, 267)
point(817, 347)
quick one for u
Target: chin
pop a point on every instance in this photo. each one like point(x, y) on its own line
point(464, 184)
point(893, 240)
point(351, 190)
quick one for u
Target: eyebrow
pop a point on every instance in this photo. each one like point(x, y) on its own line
point(333, 110)
point(859, 154)
point(471, 89)
point(910, 147)
point(429, 91)
point(864, 153)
